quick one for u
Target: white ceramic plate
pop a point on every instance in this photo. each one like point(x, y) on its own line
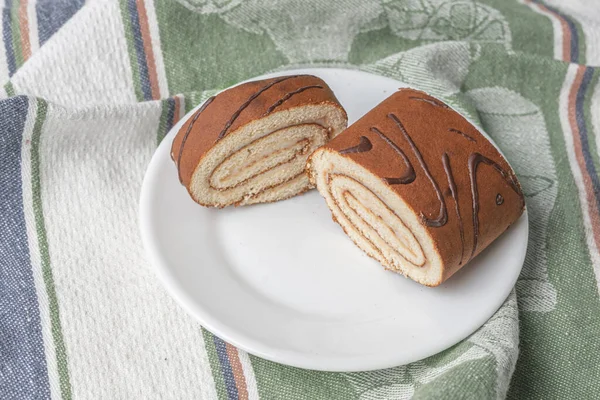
point(283, 282)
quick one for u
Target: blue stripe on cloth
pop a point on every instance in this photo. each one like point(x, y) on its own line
point(139, 49)
point(52, 15)
point(170, 114)
point(583, 133)
point(23, 370)
point(574, 38)
point(7, 37)
point(232, 392)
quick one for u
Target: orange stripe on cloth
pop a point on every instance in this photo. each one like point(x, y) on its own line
point(24, 29)
point(238, 372)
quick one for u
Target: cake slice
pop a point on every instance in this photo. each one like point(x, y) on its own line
point(417, 187)
point(249, 144)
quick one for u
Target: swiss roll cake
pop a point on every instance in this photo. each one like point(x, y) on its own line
point(417, 187)
point(249, 144)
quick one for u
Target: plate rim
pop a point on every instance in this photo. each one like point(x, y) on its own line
point(238, 339)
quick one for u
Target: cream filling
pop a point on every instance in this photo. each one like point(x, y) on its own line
point(374, 219)
point(278, 148)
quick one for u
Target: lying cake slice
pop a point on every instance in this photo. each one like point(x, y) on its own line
point(249, 144)
point(417, 187)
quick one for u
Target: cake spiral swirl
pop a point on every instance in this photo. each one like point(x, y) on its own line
point(249, 144)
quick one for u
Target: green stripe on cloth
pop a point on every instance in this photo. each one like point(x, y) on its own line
point(215, 365)
point(194, 98)
point(521, 18)
point(271, 378)
point(195, 47)
point(16, 33)
point(9, 89)
point(133, 61)
point(162, 124)
point(581, 44)
point(476, 387)
point(587, 109)
point(59, 344)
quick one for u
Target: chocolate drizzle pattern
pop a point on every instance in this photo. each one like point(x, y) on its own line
point(364, 146)
point(247, 103)
point(410, 175)
point(288, 96)
point(474, 160)
point(442, 217)
point(430, 101)
point(454, 193)
point(469, 138)
point(187, 133)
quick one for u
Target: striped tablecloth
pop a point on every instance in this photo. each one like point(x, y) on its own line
point(90, 88)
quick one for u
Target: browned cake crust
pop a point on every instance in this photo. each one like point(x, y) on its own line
point(238, 106)
point(461, 188)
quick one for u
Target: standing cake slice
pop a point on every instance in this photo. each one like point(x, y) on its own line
point(249, 144)
point(417, 187)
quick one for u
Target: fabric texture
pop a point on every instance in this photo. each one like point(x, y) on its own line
point(89, 90)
